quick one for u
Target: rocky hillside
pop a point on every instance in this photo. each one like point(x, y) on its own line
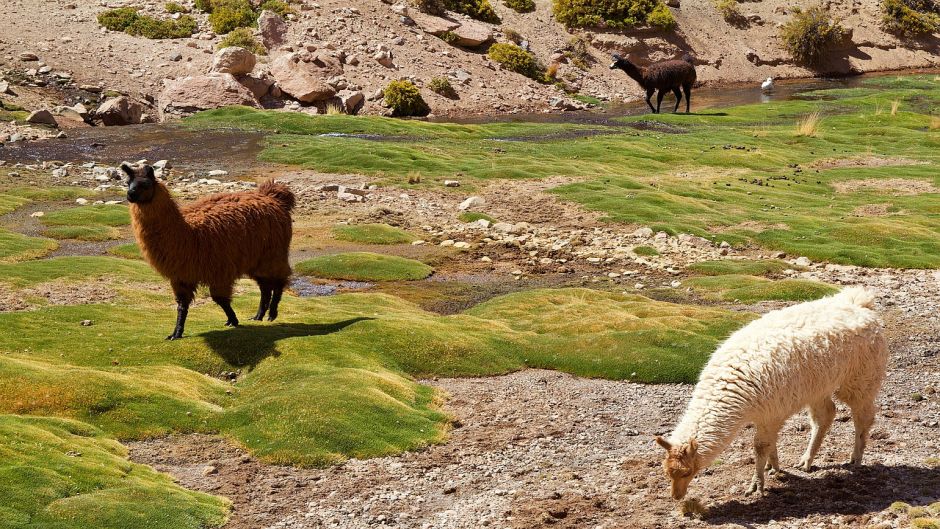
point(343, 53)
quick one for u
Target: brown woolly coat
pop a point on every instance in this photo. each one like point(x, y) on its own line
point(219, 238)
point(664, 75)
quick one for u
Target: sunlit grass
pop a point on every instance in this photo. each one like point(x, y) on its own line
point(808, 126)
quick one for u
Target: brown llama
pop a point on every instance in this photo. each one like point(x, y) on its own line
point(213, 241)
point(662, 76)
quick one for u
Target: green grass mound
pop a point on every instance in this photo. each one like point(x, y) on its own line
point(728, 168)
point(372, 234)
point(750, 267)
point(364, 266)
point(57, 473)
point(645, 251)
point(750, 289)
point(88, 223)
point(9, 203)
point(127, 251)
point(17, 247)
point(473, 216)
point(71, 268)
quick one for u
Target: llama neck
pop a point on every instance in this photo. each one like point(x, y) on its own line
point(713, 422)
point(632, 71)
point(159, 226)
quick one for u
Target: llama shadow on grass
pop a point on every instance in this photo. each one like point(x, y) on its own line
point(246, 345)
point(846, 491)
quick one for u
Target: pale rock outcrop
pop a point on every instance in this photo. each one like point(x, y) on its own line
point(305, 78)
point(234, 60)
point(471, 33)
point(202, 92)
point(259, 86)
point(120, 111)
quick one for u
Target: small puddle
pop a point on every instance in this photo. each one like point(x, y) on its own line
point(305, 288)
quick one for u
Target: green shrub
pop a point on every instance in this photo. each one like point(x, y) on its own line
point(118, 19)
point(661, 17)
point(809, 33)
point(442, 86)
point(173, 7)
point(229, 15)
point(404, 98)
point(577, 52)
point(520, 6)
point(203, 5)
point(278, 6)
point(516, 59)
point(449, 37)
point(729, 10)
point(242, 38)
point(911, 17)
point(619, 14)
point(513, 35)
point(434, 7)
point(128, 20)
point(478, 9)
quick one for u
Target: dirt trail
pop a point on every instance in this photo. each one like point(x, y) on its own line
point(541, 448)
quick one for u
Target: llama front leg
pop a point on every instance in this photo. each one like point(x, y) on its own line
point(659, 99)
point(678, 94)
point(184, 297)
point(821, 415)
point(765, 442)
point(649, 95)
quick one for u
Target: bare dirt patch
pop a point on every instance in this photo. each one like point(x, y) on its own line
point(863, 161)
point(750, 225)
point(872, 210)
point(56, 293)
point(894, 186)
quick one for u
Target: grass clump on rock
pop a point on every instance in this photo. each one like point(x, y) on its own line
point(174, 7)
point(520, 6)
point(646, 251)
point(372, 234)
point(128, 20)
point(479, 9)
point(618, 14)
point(364, 266)
point(809, 34)
point(911, 18)
point(516, 59)
point(404, 98)
point(473, 216)
point(242, 38)
point(750, 289)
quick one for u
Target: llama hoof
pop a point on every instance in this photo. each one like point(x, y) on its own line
point(231, 323)
point(174, 336)
point(256, 318)
point(755, 487)
point(805, 465)
point(272, 317)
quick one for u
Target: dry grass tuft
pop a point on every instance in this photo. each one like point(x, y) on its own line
point(692, 507)
point(894, 107)
point(934, 122)
point(809, 125)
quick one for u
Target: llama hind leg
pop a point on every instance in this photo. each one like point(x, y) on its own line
point(649, 94)
point(266, 290)
point(222, 295)
point(678, 98)
point(687, 88)
point(821, 415)
point(184, 294)
point(863, 415)
point(773, 461)
point(659, 99)
point(278, 289)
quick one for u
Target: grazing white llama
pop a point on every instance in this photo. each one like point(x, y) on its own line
point(767, 371)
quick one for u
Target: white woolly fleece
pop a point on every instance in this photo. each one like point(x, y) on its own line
point(789, 358)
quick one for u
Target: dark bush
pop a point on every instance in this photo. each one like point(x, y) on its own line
point(128, 20)
point(404, 98)
point(911, 18)
point(118, 19)
point(619, 14)
point(809, 34)
point(478, 9)
point(442, 86)
point(520, 6)
point(516, 59)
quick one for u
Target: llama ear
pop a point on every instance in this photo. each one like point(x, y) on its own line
point(148, 170)
point(690, 449)
point(128, 170)
point(663, 443)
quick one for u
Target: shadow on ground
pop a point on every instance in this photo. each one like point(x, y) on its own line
point(245, 346)
point(861, 490)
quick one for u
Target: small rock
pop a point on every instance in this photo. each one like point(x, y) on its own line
point(42, 117)
point(472, 202)
point(86, 323)
point(451, 183)
point(803, 261)
point(218, 172)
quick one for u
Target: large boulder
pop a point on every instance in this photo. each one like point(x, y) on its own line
point(273, 29)
point(234, 60)
point(203, 92)
point(259, 86)
point(351, 100)
point(120, 111)
point(42, 117)
point(432, 24)
point(472, 33)
point(305, 77)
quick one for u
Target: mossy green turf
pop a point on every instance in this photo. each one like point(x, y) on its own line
point(683, 182)
point(127, 251)
point(89, 223)
point(645, 251)
point(751, 267)
point(364, 266)
point(473, 216)
point(18, 247)
point(372, 234)
point(749, 289)
point(59, 473)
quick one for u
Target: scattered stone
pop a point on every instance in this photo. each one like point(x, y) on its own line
point(351, 101)
point(217, 172)
point(803, 261)
point(644, 233)
point(42, 117)
point(86, 323)
point(120, 111)
point(472, 202)
point(472, 34)
point(305, 80)
point(451, 183)
point(28, 56)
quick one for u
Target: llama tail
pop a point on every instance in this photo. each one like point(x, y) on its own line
point(279, 192)
point(858, 296)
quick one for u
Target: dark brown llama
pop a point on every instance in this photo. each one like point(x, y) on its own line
point(213, 241)
point(662, 76)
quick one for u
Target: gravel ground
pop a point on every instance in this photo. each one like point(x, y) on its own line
point(540, 448)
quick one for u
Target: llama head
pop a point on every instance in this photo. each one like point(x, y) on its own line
point(618, 62)
point(141, 182)
point(681, 464)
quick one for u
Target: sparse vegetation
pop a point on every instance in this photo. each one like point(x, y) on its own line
point(512, 35)
point(90, 223)
point(277, 6)
point(372, 234)
point(442, 86)
point(516, 59)
point(520, 6)
point(645, 251)
point(730, 11)
point(578, 52)
point(925, 523)
point(473, 216)
point(404, 98)
point(228, 15)
point(810, 34)
point(479, 9)
point(614, 14)
point(242, 38)
point(808, 126)
point(128, 20)
point(750, 289)
point(911, 18)
point(749, 267)
point(174, 7)
point(449, 37)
